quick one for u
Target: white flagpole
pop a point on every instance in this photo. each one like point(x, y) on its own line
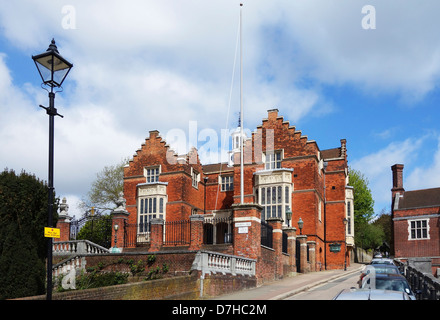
point(241, 112)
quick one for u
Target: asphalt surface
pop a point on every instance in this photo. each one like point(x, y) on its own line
point(289, 286)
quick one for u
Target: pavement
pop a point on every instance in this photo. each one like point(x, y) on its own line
point(289, 286)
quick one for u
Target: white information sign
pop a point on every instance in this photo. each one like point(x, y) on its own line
point(243, 230)
point(243, 224)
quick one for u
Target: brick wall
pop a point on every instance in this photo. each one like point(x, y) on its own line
point(177, 288)
point(421, 247)
point(177, 284)
point(178, 261)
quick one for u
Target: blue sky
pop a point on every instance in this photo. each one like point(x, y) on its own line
point(145, 65)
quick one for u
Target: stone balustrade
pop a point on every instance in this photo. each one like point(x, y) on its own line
point(63, 248)
point(213, 262)
point(64, 267)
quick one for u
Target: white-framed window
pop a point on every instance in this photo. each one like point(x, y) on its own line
point(227, 183)
point(195, 177)
point(275, 201)
point(319, 210)
point(152, 174)
point(349, 218)
point(418, 229)
point(150, 207)
point(273, 160)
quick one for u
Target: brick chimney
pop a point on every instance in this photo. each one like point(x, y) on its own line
point(397, 183)
point(397, 170)
point(397, 178)
point(343, 148)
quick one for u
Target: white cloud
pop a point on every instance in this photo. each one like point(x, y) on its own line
point(377, 167)
point(425, 177)
point(144, 65)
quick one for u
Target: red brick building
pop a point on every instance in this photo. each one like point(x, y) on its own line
point(283, 170)
point(416, 220)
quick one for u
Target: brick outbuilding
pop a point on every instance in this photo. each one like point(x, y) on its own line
point(416, 221)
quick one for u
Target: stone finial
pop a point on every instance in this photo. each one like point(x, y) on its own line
point(121, 201)
point(64, 207)
point(121, 204)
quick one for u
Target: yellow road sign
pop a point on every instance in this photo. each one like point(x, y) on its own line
point(51, 232)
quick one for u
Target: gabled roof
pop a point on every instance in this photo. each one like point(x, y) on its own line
point(216, 167)
point(420, 198)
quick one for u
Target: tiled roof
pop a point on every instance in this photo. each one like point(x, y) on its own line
point(331, 153)
point(216, 167)
point(420, 198)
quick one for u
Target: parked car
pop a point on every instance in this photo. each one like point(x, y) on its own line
point(382, 261)
point(371, 294)
point(377, 268)
point(382, 281)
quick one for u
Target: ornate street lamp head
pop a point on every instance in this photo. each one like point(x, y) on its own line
point(52, 67)
point(289, 214)
point(300, 224)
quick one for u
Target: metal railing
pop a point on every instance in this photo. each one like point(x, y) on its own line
point(284, 242)
point(425, 285)
point(266, 235)
point(136, 234)
point(177, 233)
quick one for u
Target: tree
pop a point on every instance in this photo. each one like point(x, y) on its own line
point(371, 236)
point(385, 223)
point(23, 247)
point(105, 189)
point(363, 200)
point(97, 229)
point(367, 234)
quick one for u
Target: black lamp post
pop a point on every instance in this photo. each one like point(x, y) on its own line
point(204, 200)
point(53, 69)
point(300, 225)
point(345, 237)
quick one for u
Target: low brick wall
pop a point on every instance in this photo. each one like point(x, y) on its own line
point(179, 283)
point(177, 288)
point(218, 284)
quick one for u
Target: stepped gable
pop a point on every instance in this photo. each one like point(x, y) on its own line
point(153, 151)
point(285, 136)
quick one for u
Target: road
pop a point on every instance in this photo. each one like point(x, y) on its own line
point(328, 290)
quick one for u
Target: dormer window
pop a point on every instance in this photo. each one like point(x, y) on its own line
point(152, 174)
point(273, 160)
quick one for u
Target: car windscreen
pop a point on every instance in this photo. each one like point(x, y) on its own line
point(396, 285)
point(386, 270)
